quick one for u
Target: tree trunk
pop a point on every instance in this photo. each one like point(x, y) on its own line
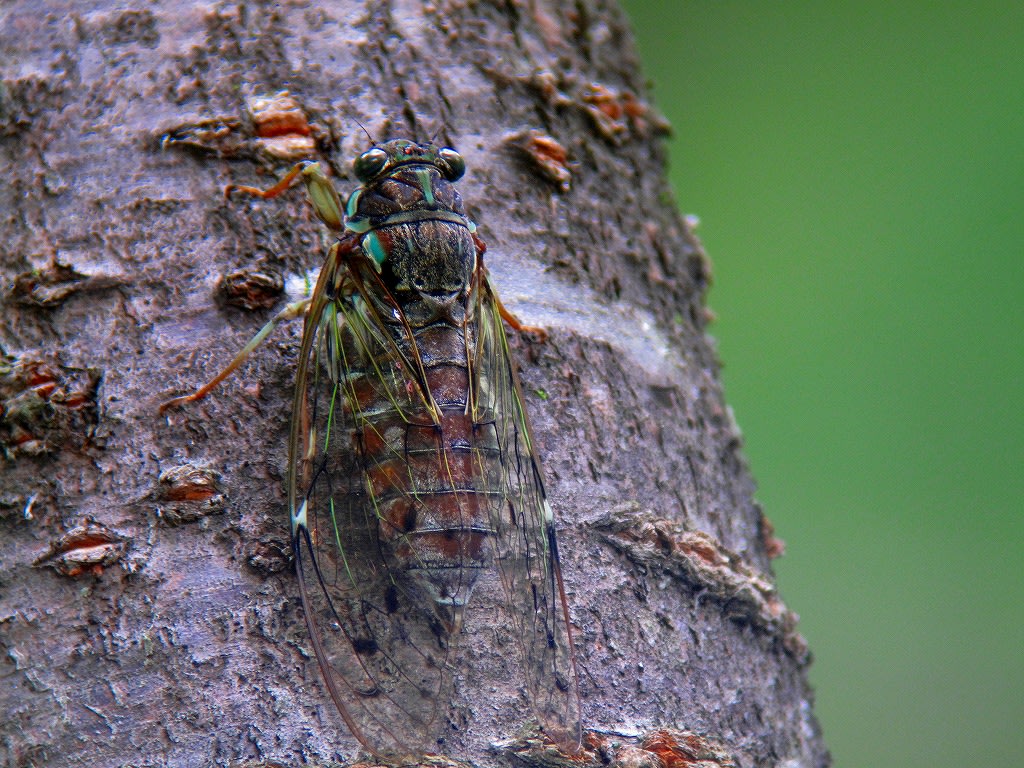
point(148, 609)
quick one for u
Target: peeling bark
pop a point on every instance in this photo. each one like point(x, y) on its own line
point(148, 612)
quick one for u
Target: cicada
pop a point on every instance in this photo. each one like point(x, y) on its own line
point(413, 476)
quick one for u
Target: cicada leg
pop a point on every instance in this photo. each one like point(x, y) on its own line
point(513, 322)
point(517, 325)
point(266, 194)
point(290, 312)
point(321, 192)
point(327, 205)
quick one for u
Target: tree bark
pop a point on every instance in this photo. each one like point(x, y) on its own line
point(148, 610)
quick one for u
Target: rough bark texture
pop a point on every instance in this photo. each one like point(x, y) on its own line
point(167, 630)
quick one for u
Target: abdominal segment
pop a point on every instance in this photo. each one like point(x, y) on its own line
point(432, 478)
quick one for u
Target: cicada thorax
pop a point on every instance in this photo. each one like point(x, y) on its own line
point(429, 455)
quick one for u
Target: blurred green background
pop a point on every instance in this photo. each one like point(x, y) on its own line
point(858, 170)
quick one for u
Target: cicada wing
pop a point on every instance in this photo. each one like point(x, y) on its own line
point(384, 655)
point(526, 549)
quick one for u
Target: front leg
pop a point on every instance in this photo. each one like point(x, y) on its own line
point(322, 194)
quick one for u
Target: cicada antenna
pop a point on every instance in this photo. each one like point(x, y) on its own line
point(373, 141)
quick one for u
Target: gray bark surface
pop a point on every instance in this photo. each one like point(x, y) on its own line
point(148, 611)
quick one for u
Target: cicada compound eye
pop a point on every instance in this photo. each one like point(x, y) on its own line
point(453, 160)
point(370, 163)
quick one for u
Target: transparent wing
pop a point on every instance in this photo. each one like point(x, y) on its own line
point(383, 656)
point(527, 552)
point(412, 472)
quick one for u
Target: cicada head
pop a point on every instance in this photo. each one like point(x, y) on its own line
point(381, 159)
point(402, 176)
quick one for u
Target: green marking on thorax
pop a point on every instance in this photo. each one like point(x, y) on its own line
point(353, 224)
point(353, 202)
point(428, 190)
point(373, 248)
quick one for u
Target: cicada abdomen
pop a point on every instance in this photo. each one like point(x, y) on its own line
point(412, 471)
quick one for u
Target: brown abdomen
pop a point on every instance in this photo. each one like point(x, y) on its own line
point(432, 483)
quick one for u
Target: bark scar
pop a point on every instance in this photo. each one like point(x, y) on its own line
point(699, 560)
